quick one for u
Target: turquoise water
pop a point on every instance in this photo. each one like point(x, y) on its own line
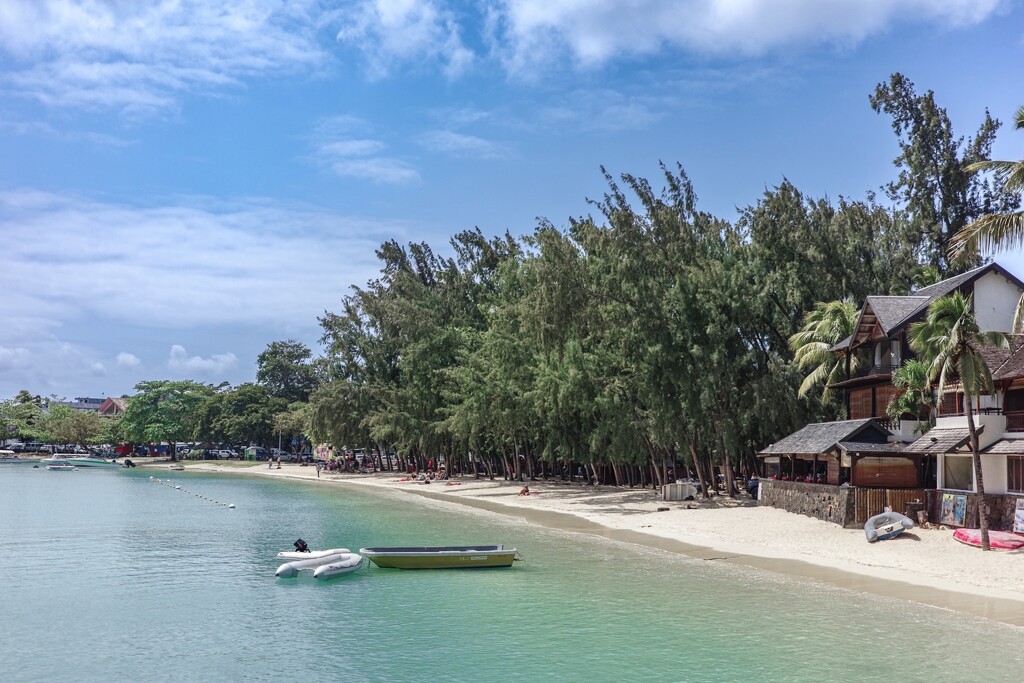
point(111, 577)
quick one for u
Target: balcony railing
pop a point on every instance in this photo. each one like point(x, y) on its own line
point(870, 370)
point(1015, 421)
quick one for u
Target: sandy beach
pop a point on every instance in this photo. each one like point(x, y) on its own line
point(923, 565)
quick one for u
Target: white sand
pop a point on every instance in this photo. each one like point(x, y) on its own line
point(929, 560)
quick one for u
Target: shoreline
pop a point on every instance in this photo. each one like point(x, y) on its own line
point(922, 565)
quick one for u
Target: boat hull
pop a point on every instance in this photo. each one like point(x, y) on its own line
point(292, 556)
point(998, 540)
point(886, 526)
point(335, 569)
point(441, 557)
point(62, 459)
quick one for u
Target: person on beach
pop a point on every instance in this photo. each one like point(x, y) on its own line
point(317, 469)
point(525, 491)
point(270, 461)
point(279, 462)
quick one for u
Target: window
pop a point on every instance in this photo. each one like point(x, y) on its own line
point(957, 473)
point(887, 353)
point(1015, 473)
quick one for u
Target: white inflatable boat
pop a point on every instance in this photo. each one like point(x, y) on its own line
point(292, 556)
point(886, 525)
point(352, 562)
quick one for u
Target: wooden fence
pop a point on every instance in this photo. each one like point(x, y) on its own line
point(870, 502)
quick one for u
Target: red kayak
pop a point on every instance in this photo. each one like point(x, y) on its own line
point(997, 540)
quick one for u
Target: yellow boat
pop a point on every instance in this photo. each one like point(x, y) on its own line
point(441, 557)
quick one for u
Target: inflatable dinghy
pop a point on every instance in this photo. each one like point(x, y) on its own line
point(352, 562)
point(997, 540)
point(886, 525)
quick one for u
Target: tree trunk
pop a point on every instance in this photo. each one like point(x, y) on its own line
point(700, 470)
point(976, 457)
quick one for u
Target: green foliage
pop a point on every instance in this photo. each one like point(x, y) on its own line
point(163, 410)
point(915, 397)
point(824, 327)
point(243, 415)
point(20, 417)
point(287, 370)
point(64, 425)
point(935, 183)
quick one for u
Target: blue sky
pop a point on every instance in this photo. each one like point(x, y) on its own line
point(184, 181)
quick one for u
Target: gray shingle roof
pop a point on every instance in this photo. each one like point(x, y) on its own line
point(940, 441)
point(864, 447)
point(893, 310)
point(1006, 447)
point(821, 437)
point(892, 313)
point(1012, 365)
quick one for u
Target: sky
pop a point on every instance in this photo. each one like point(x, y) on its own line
point(183, 182)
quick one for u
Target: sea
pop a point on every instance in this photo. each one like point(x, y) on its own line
point(145, 575)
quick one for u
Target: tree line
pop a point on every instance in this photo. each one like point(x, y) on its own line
point(643, 340)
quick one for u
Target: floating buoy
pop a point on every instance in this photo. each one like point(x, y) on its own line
point(232, 505)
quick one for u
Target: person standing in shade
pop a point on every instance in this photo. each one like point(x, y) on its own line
point(270, 461)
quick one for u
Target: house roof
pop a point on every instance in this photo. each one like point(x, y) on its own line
point(939, 441)
point(1010, 360)
point(892, 313)
point(864, 447)
point(118, 405)
point(821, 437)
point(1006, 447)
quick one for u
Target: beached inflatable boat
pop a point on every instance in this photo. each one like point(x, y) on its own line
point(997, 540)
point(886, 525)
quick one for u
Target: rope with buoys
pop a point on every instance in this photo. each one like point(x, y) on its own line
point(176, 487)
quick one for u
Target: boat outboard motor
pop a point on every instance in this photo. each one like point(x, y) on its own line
point(128, 463)
point(301, 547)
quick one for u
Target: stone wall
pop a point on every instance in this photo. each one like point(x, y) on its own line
point(1001, 509)
point(834, 504)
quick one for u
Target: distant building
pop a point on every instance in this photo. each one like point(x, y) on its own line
point(112, 406)
point(84, 404)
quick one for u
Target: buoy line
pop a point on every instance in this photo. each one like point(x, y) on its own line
point(176, 487)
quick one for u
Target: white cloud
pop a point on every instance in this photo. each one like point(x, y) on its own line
point(603, 110)
point(138, 57)
point(379, 170)
point(128, 360)
point(191, 263)
point(461, 145)
point(216, 365)
point(15, 357)
point(357, 157)
point(400, 32)
point(531, 33)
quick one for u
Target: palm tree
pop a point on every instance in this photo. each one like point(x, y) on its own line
point(997, 230)
point(824, 327)
point(912, 377)
point(948, 340)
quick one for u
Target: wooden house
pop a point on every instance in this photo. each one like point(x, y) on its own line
point(871, 452)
